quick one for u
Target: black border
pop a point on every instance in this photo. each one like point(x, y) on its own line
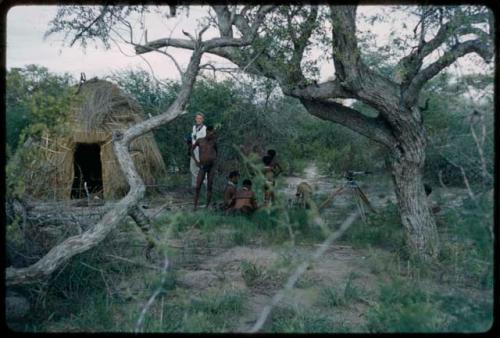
point(494, 5)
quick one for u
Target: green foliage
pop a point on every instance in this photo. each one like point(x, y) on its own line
point(249, 126)
point(35, 98)
point(448, 122)
point(37, 104)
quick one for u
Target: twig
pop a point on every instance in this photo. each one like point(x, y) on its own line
point(133, 262)
point(140, 321)
point(161, 209)
point(102, 275)
point(300, 270)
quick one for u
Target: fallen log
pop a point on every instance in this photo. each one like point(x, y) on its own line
point(54, 214)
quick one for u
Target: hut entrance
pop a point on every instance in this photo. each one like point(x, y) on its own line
point(88, 168)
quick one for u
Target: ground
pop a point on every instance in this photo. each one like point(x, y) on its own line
point(221, 276)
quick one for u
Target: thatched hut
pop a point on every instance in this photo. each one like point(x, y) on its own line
point(82, 162)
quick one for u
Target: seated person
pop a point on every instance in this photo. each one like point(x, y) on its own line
point(245, 201)
point(269, 183)
point(208, 157)
point(230, 190)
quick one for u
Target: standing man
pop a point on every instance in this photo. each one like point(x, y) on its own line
point(199, 131)
point(208, 158)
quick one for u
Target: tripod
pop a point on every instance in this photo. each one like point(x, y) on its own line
point(351, 186)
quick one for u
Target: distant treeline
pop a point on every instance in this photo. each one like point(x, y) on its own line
point(252, 117)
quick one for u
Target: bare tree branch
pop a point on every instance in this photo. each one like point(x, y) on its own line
point(449, 57)
point(80, 34)
point(410, 64)
point(373, 128)
point(325, 90)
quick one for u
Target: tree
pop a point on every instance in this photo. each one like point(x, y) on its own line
point(277, 50)
point(34, 96)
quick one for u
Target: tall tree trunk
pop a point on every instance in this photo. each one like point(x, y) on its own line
point(407, 162)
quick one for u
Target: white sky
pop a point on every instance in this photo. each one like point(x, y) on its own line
point(26, 26)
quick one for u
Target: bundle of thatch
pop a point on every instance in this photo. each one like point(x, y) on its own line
point(99, 108)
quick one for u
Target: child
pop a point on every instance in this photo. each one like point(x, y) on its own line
point(208, 157)
point(245, 201)
point(269, 179)
point(276, 166)
point(230, 190)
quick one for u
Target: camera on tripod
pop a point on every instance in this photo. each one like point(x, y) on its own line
point(350, 174)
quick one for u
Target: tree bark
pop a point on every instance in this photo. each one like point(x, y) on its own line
point(407, 162)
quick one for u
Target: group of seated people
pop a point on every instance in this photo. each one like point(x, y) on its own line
point(243, 200)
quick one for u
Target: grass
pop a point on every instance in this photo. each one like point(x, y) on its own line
point(351, 291)
point(214, 311)
point(402, 307)
point(294, 320)
point(269, 226)
point(467, 250)
point(82, 295)
point(383, 230)
point(467, 315)
point(252, 274)
point(331, 297)
point(406, 306)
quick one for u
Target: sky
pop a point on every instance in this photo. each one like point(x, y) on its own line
point(26, 26)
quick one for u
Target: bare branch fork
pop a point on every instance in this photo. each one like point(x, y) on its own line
point(121, 140)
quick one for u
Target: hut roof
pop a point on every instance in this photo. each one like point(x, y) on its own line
point(101, 104)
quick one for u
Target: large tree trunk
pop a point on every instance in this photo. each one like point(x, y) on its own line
point(420, 227)
point(407, 162)
point(404, 137)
